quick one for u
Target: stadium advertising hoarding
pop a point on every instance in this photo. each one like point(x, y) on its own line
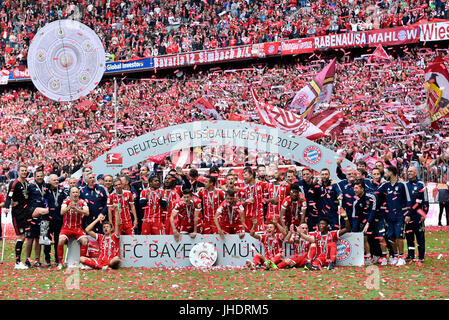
point(203, 57)
point(164, 251)
point(253, 136)
point(111, 67)
point(371, 38)
point(437, 31)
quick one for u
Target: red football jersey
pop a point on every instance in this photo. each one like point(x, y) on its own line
point(279, 192)
point(109, 246)
point(302, 247)
point(323, 241)
point(272, 244)
point(72, 219)
point(172, 196)
point(229, 214)
point(255, 192)
point(153, 210)
point(186, 211)
point(211, 200)
point(123, 201)
point(293, 208)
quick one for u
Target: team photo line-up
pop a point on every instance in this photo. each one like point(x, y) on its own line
point(306, 209)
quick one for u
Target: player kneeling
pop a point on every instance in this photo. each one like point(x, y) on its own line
point(326, 243)
point(272, 243)
point(108, 243)
point(304, 251)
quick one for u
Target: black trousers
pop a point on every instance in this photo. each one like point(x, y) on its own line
point(53, 232)
point(415, 229)
point(444, 206)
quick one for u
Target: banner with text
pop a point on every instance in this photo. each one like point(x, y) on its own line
point(164, 251)
point(203, 57)
point(371, 38)
point(437, 31)
point(253, 136)
point(297, 46)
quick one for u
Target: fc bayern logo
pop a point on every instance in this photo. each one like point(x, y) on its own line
point(271, 49)
point(312, 155)
point(343, 250)
point(402, 35)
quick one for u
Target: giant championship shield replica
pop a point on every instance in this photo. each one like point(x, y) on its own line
point(66, 60)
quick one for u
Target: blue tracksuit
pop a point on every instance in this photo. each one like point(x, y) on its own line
point(96, 199)
point(347, 190)
point(418, 205)
point(312, 194)
point(396, 199)
point(328, 204)
point(363, 211)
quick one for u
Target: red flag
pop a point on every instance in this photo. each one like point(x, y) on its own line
point(330, 121)
point(207, 108)
point(379, 54)
point(236, 117)
point(286, 120)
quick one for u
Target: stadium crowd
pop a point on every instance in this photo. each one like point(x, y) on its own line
point(81, 131)
point(132, 29)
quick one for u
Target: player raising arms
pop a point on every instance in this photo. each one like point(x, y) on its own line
point(272, 243)
point(326, 242)
point(73, 210)
point(304, 251)
point(108, 243)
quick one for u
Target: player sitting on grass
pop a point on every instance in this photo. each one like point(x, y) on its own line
point(304, 251)
point(108, 243)
point(272, 243)
point(326, 243)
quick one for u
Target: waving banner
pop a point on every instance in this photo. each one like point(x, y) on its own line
point(253, 136)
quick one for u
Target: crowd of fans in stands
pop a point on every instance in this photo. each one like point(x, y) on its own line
point(143, 28)
point(63, 137)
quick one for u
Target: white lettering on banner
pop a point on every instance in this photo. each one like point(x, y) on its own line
point(201, 57)
point(371, 38)
point(164, 251)
point(253, 136)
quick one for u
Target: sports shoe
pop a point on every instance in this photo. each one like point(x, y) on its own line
point(383, 261)
point(270, 265)
point(84, 267)
point(392, 260)
point(250, 264)
point(375, 259)
point(38, 265)
point(368, 261)
point(400, 262)
point(330, 266)
point(20, 266)
point(309, 266)
point(28, 264)
point(60, 266)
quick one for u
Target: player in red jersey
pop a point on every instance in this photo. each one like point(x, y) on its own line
point(108, 243)
point(326, 242)
point(293, 208)
point(173, 193)
point(276, 193)
point(122, 201)
point(211, 198)
point(230, 216)
point(252, 196)
point(152, 200)
point(188, 211)
point(73, 209)
point(272, 243)
point(304, 251)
